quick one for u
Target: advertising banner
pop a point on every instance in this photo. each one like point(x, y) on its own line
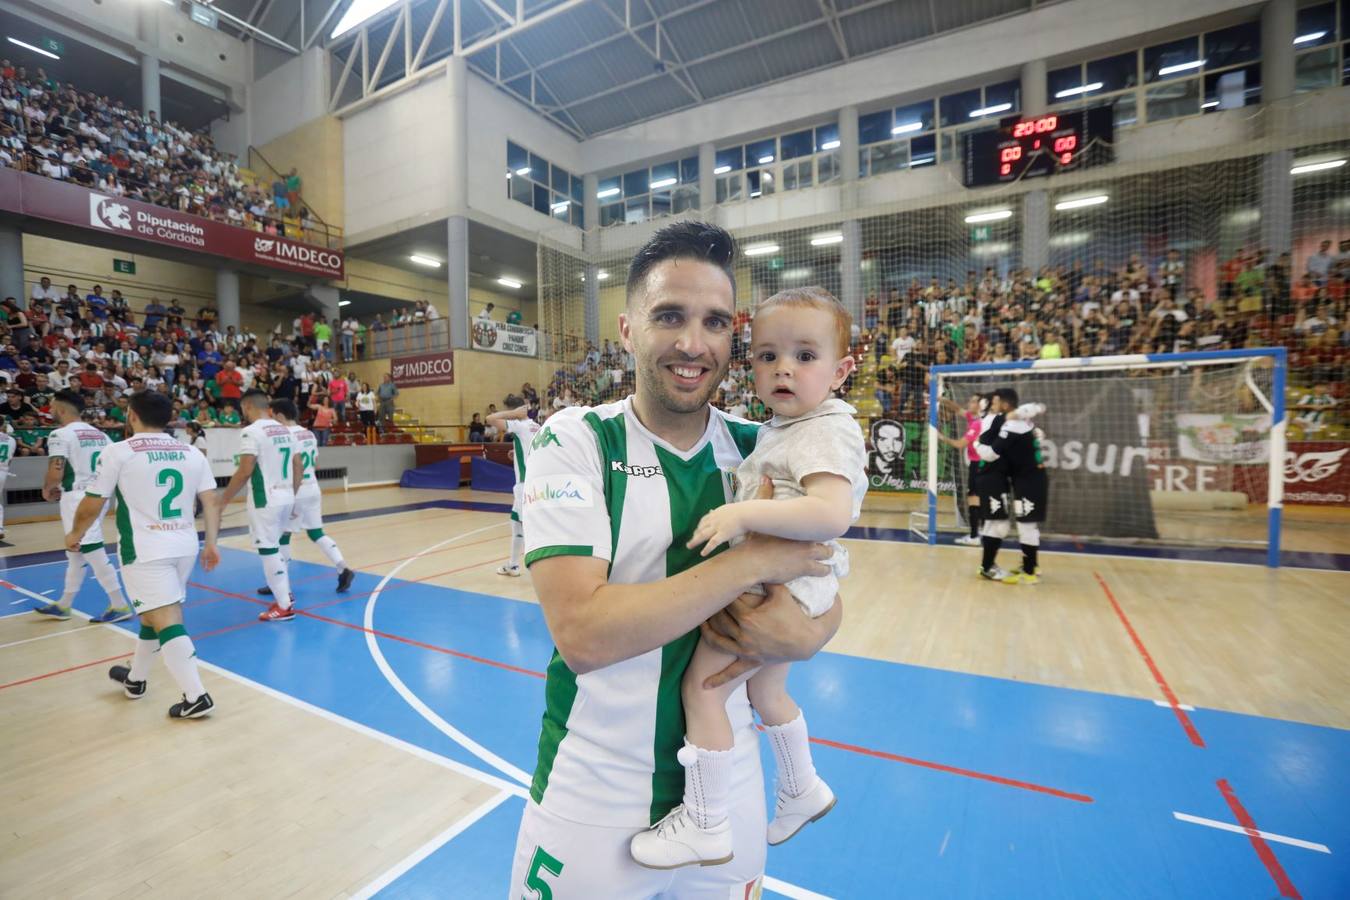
point(1239, 438)
point(424, 369)
point(71, 204)
point(222, 448)
point(499, 337)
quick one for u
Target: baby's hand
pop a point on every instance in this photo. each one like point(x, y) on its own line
point(721, 526)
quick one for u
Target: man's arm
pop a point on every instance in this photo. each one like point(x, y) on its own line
point(240, 477)
point(596, 624)
point(499, 419)
point(297, 472)
point(85, 514)
point(769, 629)
point(56, 468)
point(211, 506)
point(822, 515)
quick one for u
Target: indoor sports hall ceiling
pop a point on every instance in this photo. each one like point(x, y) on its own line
point(600, 65)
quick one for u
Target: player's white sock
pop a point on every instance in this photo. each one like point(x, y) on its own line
point(330, 550)
point(106, 575)
point(146, 645)
point(74, 578)
point(792, 750)
point(517, 543)
point(278, 579)
point(2, 517)
point(285, 551)
point(707, 785)
point(181, 657)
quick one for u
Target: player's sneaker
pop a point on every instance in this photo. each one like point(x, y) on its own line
point(994, 573)
point(792, 814)
point(196, 709)
point(968, 540)
point(1017, 576)
point(509, 570)
point(133, 689)
point(54, 611)
point(112, 614)
point(264, 591)
point(676, 841)
point(276, 613)
point(345, 579)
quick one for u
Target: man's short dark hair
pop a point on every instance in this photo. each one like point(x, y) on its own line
point(69, 398)
point(1008, 396)
point(286, 408)
point(152, 408)
point(254, 397)
point(684, 240)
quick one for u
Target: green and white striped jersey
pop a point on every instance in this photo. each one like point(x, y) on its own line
point(272, 446)
point(80, 445)
point(7, 445)
point(600, 484)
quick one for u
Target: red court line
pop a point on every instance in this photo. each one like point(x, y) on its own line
point(1172, 701)
point(1263, 850)
point(64, 671)
point(953, 770)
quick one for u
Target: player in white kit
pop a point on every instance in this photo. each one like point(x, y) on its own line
point(307, 515)
point(155, 477)
point(74, 450)
point(7, 445)
point(268, 466)
point(522, 423)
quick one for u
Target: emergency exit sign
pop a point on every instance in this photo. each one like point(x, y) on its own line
point(125, 266)
point(52, 45)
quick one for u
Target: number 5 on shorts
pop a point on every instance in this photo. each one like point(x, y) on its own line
point(533, 881)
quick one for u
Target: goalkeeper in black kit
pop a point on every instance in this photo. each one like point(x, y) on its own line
point(1012, 485)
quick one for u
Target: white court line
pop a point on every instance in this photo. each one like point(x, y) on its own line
point(411, 698)
point(1165, 705)
point(54, 634)
point(791, 890)
point(430, 847)
point(1238, 829)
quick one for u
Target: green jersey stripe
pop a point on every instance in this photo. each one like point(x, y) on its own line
point(520, 458)
point(126, 545)
point(744, 434)
point(68, 475)
point(612, 436)
point(558, 550)
point(259, 488)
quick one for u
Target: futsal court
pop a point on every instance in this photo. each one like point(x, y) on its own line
point(1132, 726)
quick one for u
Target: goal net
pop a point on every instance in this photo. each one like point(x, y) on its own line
point(1179, 449)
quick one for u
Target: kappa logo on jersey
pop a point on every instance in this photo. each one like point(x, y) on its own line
point(1023, 507)
point(1312, 466)
point(995, 504)
point(616, 465)
point(544, 438)
point(557, 490)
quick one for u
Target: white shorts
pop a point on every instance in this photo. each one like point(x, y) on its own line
point(569, 861)
point(70, 501)
point(153, 583)
point(266, 525)
point(307, 514)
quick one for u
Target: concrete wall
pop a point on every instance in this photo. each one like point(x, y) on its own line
point(315, 151)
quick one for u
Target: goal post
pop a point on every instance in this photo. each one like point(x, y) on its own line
point(1173, 448)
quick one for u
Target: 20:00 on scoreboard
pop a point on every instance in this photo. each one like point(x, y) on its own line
point(1042, 145)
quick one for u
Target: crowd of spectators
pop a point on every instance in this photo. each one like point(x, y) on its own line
point(93, 343)
point(64, 133)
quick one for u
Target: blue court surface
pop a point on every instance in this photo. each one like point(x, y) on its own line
point(949, 784)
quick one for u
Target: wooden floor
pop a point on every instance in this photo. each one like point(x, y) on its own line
point(90, 779)
point(285, 797)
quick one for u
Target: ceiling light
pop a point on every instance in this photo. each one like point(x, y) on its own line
point(508, 282)
point(1181, 67)
point(358, 12)
point(20, 43)
point(607, 192)
point(1209, 104)
point(824, 240)
point(761, 249)
point(721, 170)
point(1303, 168)
point(990, 110)
point(662, 183)
point(1313, 36)
point(907, 127)
point(830, 145)
point(765, 160)
point(523, 170)
point(344, 303)
point(922, 160)
point(992, 216)
point(561, 206)
point(599, 276)
point(794, 274)
point(429, 261)
point(1081, 89)
point(767, 176)
point(1080, 202)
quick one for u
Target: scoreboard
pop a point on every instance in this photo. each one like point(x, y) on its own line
point(1026, 148)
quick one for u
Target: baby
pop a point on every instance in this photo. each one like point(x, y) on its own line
point(812, 451)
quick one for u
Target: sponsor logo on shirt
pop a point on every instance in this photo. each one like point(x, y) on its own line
point(544, 438)
point(557, 490)
point(616, 465)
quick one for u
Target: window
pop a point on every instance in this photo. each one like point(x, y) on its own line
point(1115, 73)
point(1177, 59)
point(956, 108)
point(1319, 62)
point(545, 188)
point(1316, 26)
point(642, 194)
point(1169, 101)
point(875, 127)
point(1233, 46)
point(1315, 69)
point(1233, 88)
